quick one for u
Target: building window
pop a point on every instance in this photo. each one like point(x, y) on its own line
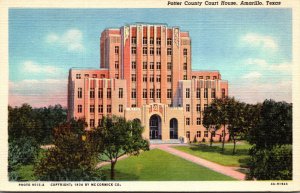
point(144, 77)
point(205, 93)
point(151, 78)
point(151, 51)
point(169, 66)
point(151, 93)
point(213, 93)
point(185, 66)
point(133, 65)
point(92, 108)
point(133, 50)
point(144, 65)
point(151, 41)
point(100, 93)
point(200, 77)
point(102, 76)
point(169, 93)
point(185, 52)
point(133, 105)
point(116, 49)
point(116, 64)
point(108, 108)
point(187, 93)
point(92, 122)
point(120, 108)
point(144, 93)
point(133, 77)
point(169, 51)
point(86, 75)
point(145, 50)
point(184, 77)
point(157, 93)
point(205, 106)
point(94, 75)
point(169, 78)
point(144, 40)
point(214, 77)
point(188, 135)
point(158, 41)
point(198, 108)
point(99, 122)
point(223, 92)
point(92, 93)
point(116, 76)
point(100, 108)
point(79, 93)
point(157, 78)
point(207, 77)
point(198, 133)
point(133, 93)
point(158, 65)
point(198, 93)
point(158, 51)
point(198, 121)
point(187, 121)
point(78, 76)
point(169, 41)
point(187, 108)
point(193, 77)
point(79, 108)
point(133, 40)
point(205, 133)
point(120, 93)
point(151, 65)
point(108, 93)
point(213, 134)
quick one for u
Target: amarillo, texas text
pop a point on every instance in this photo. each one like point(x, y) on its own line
point(212, 3)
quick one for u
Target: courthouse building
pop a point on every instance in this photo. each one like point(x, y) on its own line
point(146, 74)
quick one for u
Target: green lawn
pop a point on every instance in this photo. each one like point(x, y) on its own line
point(214, 153)
point(158, 165)
point(26, 173)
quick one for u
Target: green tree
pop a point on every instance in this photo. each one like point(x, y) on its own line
point(274, 126)
point(50, 117)
point(271, 136)
point(218, 115)
point(71, 158)
point(271, 164)
point(210, 121)
point(116, 137)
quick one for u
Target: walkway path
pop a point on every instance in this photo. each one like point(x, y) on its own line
point(228, 171)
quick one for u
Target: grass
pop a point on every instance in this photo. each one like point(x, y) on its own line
point(156, 165)
point(214, 153)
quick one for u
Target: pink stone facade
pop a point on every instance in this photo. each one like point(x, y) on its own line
point(146, 74)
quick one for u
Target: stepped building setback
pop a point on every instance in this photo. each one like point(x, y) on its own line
point(146, 74)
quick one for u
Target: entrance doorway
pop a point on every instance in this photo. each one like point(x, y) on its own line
point(173, 129)
point(155, 127)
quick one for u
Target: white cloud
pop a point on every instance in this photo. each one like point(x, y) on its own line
point(71, 39)
point(252, 75)
point(264, 65)
point(33, 67)
point(260, 41)
point(253, 92)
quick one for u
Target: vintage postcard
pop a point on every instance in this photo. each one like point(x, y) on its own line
point(150, 96)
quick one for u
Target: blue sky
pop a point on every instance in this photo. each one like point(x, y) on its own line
point(252, 48)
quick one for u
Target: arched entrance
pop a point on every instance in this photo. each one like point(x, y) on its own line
point(173, 129)
point(155, 127)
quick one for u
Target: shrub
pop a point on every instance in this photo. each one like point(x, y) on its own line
point(273, 164)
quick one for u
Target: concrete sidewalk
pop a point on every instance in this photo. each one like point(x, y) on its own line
point(228, 171)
